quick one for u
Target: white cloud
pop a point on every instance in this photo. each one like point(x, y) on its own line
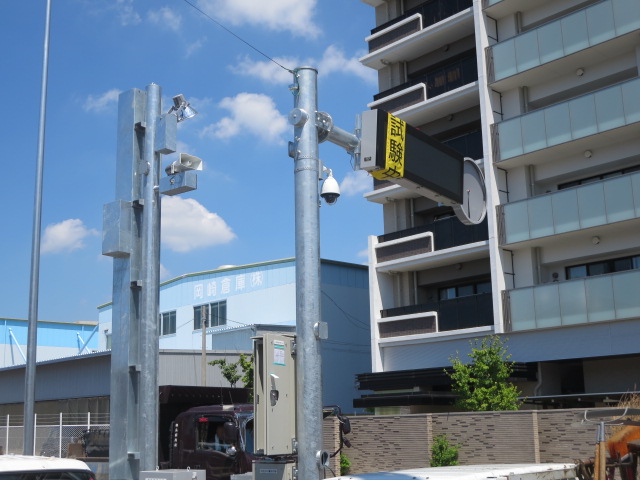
point(195, 46)
point(166, 18)
point(100, 103)
point(355, 183)
point(266, 70)
point(126, 12)
point(295, 16)
point(187, 225)
point(67, 235)
point(164, 272)
point(334, 60)
point(252, 113)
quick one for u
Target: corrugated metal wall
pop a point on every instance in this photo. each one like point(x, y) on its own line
point(383, 443)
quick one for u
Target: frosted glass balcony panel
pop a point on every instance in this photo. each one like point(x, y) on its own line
point(527, 55)
point(522, 309)
point(600, 306)
point(510, 138)
point(573, 302)
point(591, 204)
point(558, 124)
point(565, 211)
point(612, 200)
point(635, 185)
point(600, 23)
point(577, 31)
point(574, 32)
point(626, 16)
point(547, 306)
point(618, 199)
point(583, 116)
point(631, 101)
point(516, 222)
point(533, 132)
point(540, 217)
point(609, 109)
point(504, 59)
point(550, 42)
point(627, 298)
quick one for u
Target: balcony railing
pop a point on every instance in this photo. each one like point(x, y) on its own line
point(414, 20)
point(446, 315)
point(587, 300)
point(432, 84)
point(574, 32)
point(580, 117)
point(447, 233)
point(608, 201)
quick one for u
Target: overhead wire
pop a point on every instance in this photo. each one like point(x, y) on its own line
point(188, 2)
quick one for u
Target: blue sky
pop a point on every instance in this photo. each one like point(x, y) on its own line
point(242, 211)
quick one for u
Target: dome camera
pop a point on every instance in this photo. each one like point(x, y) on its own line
point(330, 190)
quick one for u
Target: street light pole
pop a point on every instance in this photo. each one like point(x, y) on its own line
point(32, 334)
point(307, 239)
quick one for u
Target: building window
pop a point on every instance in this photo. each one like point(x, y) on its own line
point(603, 267)
point(168, 323)
point(597, 178)
point(213, 314)
point(464, 290)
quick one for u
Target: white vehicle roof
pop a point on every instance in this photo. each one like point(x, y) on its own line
point(528, 471)
point(24, 463)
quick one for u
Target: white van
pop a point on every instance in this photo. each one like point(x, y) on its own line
point(538, 471)
point(22, 467)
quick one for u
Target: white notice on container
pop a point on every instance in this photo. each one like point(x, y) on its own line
point(278, 355)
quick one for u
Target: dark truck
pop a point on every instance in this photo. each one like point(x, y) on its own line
point(189, 419)
point(200, 428)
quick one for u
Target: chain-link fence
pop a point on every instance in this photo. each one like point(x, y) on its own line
point(53, 433)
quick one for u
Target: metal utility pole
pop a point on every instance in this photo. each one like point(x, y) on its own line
point(131, 235)
point(32, 335)
point(204, 311)
point(307, 239)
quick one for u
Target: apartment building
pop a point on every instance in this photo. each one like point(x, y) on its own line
point(545, 96)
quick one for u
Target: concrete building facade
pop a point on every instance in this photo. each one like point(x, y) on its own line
point(545, 97)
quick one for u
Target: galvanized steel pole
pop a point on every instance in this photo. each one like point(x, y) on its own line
point(307, 235)
point(150, 297)
point(32, 335)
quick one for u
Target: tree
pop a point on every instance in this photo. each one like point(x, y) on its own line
point(230, 370)
point(443, 454)
point(483, 384)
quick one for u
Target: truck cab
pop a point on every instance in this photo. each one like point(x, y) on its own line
point(218, 439)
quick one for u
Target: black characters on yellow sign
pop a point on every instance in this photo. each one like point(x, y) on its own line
point(394, 150)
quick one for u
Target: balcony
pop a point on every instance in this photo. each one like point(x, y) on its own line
point(414, 20)
point(570, 210)
point(412, 249)
point(473, 311)
point(521, 60)
point(431, 84)
point(424, 29)
point(612, 112)
point(574, 302)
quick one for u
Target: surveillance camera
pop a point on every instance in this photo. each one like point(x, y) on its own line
point(330, 190)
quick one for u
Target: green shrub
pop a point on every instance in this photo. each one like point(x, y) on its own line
point(443, 454)
point(345, 464)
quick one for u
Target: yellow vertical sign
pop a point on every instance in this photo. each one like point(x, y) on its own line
point(394, 149)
